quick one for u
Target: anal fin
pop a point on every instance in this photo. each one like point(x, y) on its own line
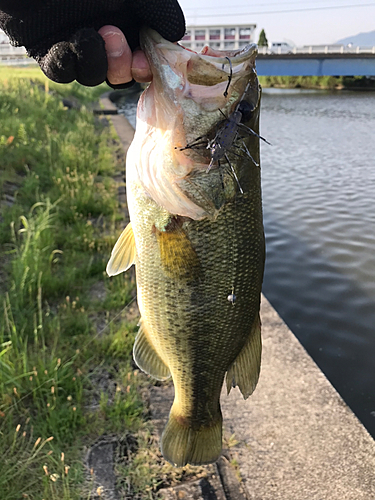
point(123, 253)
point(147, 358)
point(245, 369)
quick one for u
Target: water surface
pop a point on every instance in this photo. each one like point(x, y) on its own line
point(318, 196)
point(319, 212)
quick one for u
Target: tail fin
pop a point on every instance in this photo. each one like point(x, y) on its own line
point(181, 444)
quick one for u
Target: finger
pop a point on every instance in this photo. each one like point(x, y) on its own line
point(141, 70)
point(119, 55)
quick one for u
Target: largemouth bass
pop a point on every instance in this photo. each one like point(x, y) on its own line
point(196, 235)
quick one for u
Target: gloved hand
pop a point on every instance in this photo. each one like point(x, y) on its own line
point(62, 35)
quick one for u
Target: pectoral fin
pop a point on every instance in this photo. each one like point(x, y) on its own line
point(147, 358)
point(244, 371)
point(123, 253)
point(177, 255)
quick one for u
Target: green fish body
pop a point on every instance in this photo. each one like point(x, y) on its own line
point(196, 239)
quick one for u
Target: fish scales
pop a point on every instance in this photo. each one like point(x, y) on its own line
point(193, 319)
point(190, 258)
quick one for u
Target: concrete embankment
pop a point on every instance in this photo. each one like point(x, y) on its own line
point(297, 439)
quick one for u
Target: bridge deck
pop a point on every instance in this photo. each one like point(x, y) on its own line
point(316, 64)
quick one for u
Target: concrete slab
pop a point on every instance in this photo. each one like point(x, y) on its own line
point(123, 128)
point(100, 461)
point(298, 439)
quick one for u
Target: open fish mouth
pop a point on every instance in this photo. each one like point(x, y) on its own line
point(206, 53)
point(188, 98)
point(208, 67)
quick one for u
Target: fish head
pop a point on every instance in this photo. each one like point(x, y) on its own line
point(179, 113)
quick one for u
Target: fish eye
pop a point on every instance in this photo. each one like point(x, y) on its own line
point(246, 109)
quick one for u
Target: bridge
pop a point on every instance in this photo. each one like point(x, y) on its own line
point(336, 60)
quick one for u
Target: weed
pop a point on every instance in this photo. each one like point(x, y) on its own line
point(144, 471)
point(315, 82)
point(54, 236)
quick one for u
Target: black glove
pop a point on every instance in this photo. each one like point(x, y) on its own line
point(62, 35)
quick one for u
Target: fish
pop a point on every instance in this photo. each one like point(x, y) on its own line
point(196, 236)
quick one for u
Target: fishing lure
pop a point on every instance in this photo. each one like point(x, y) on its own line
point(228, 133)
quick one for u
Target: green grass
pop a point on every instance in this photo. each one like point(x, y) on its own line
point(308, 82)
point(318, 82)
point(35, 75)
point(66, 370)
point(56, 167)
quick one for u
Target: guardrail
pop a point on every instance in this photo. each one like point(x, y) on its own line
point(317, 49)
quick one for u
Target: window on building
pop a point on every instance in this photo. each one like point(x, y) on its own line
point(215, 45)
point(229, 45)
point(200, 34)
point(187, 35)
point(245, 33)
point(214, 34)
point(199, 46)
point(229, 33)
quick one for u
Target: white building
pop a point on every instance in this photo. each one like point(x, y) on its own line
point(231, 36)
point(3, 37)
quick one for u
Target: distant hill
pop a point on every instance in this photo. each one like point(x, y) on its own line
point(362, 39)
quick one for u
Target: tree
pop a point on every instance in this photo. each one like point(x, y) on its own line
point(262, 42)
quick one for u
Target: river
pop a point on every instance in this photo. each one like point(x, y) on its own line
point(318, 181)
point(319, 211)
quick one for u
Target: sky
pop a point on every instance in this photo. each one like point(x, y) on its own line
point(299, 22)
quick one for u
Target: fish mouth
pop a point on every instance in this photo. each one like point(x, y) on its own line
point(207, 53)
point(188, 97)
point(207, 67)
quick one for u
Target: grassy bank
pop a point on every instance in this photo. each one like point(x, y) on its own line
point(318, 82)
point(66, 330)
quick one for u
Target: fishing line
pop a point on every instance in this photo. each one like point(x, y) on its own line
point(232, 297)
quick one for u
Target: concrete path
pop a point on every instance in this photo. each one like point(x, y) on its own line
point(297, 438)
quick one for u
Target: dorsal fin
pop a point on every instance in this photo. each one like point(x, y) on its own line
point(123, 253)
